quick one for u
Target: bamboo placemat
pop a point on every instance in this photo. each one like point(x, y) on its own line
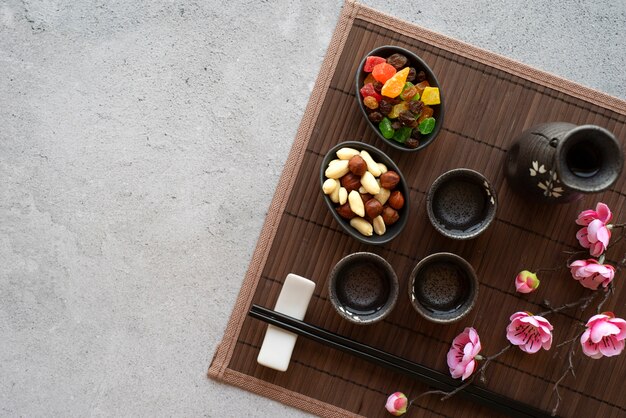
point(489, 100)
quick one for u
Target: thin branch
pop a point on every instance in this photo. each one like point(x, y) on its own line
point(489, 360)
point(616, 241)
point(450, 394)
point(569, 370)
point(587, 303)
point(622, 263)
point(584, 301)
point(607, 294)
point(614, 226)
point(573, 255)
point(571, 340)
point(437, 392)
point(573, 252)
point(547, 269)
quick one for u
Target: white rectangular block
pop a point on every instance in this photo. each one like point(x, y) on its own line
point(278, 344)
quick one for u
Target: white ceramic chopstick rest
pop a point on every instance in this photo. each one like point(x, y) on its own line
point(278, 344)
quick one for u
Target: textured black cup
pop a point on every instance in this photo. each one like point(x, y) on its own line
point(363, 288)
point(379, 157)
point(461, 203)
point(419, 65)
point(443, 288)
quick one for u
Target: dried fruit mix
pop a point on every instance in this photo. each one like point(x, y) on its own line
point(401, 109)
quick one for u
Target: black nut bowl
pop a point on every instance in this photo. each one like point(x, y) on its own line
point(380, 157)
point(419, 65)
point(363, 288)
point(443, 288)
point(461, 204)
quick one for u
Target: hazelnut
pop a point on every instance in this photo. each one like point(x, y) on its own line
point(390, 215)
point(351, 182)
point(366, 197)
point(389, 180)
point(345, 212)
point(357, 165)
point(373, 208)
point(396, 200)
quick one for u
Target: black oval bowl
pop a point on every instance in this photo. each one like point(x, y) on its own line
point(419, 65)
point(379, 157)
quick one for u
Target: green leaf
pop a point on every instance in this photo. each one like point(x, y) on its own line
point(426, 126)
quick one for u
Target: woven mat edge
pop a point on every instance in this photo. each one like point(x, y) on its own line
point(286, 396)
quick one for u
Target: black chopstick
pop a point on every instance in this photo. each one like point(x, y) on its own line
point(422, 373)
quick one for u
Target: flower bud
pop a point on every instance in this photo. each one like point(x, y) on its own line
point(526, 282)
point(397, 403)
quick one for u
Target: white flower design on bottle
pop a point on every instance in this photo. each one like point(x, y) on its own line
point(550, 183)
point(536, 168)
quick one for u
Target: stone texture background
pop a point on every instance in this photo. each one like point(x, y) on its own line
point(140, 145)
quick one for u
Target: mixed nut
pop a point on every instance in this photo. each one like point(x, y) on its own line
point(364, 190)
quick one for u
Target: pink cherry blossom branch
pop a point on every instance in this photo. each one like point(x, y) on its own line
point(572, 349)
point(481, 370)
point(582, 302)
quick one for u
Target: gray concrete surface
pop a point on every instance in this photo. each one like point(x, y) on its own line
point(140, 145)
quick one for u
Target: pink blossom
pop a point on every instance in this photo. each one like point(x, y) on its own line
point(529, 332)
point(592, 274)
point(526, 282)
point(595, 236)
point(602, 213)
point(596, 232)
point(397, 403)
point(604, 336)
point(461, 356)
